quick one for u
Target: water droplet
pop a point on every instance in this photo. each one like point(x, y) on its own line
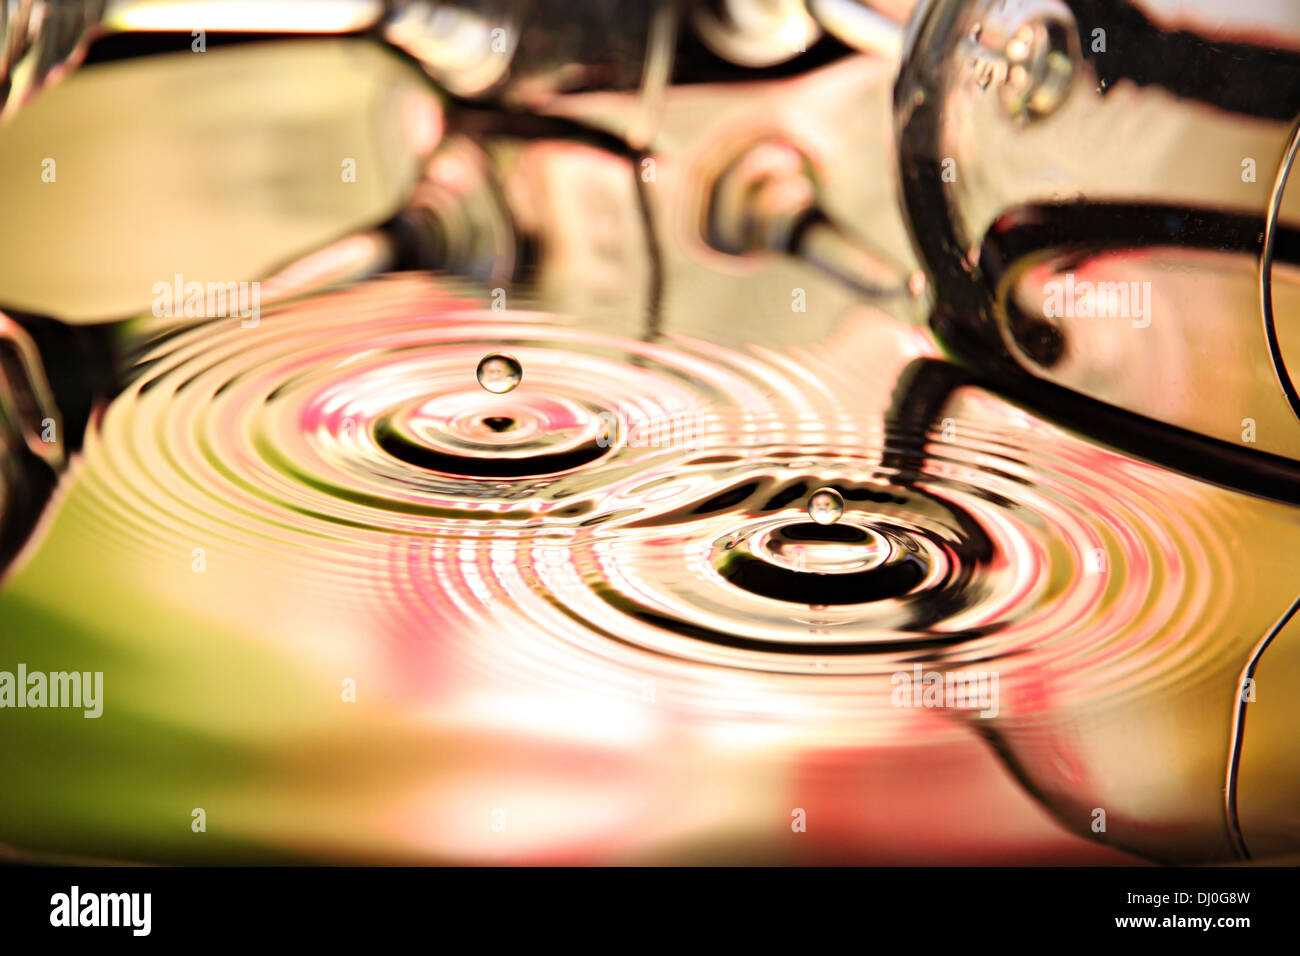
point(825, 506)
point(500, 373)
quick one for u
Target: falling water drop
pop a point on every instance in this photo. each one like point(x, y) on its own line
point(499, 373)
point(825, 506)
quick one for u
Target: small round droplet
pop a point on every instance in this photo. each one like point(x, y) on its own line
point(500, 373)
point(825, 506)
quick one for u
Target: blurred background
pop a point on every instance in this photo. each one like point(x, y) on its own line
point(357, 608)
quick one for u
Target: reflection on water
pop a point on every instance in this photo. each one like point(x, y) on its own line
point(699, 550)
point(594, 635)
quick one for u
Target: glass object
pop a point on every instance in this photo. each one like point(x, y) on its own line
point(1090, 187)
point(375, 610)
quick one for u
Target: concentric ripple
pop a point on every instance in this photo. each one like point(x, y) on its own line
point(635, 510)
point(349, 423)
